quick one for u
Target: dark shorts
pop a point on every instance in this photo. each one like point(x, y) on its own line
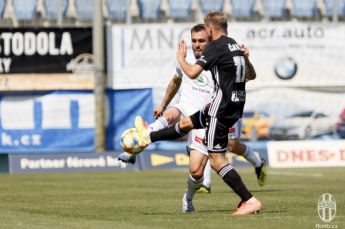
point(217, 130)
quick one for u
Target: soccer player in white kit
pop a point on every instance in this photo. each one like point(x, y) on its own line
point(193, 95)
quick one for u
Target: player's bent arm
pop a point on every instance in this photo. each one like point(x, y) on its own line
point(250, 71)
point(191, 70)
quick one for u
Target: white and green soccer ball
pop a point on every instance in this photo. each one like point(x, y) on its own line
point(130, 141)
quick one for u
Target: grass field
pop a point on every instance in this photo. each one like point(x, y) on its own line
point(152, 199)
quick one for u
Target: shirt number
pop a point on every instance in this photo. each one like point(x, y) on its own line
point(240, 65)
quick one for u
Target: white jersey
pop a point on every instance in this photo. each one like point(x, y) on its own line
point(194, 94)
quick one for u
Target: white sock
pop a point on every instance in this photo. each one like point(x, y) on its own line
point(192, 186)
point(207, 175)
point(159, 124)
point(250, 156)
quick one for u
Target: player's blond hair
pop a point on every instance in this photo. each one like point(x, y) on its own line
point(218, 20)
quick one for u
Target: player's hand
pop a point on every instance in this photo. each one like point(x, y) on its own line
point(157, 112)
point(245, 50)
point(181, 50)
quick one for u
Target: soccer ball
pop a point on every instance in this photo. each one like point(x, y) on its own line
point(130, 141)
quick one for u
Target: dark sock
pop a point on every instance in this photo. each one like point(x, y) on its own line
point(231, 178)
point(170, 133)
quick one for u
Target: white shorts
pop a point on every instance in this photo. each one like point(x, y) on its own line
point(194, 141)
point(185, 108)
point(195, 137)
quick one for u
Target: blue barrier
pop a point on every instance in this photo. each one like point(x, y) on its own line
point(107, 161)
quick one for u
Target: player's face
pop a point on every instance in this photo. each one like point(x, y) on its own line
point(199, 41)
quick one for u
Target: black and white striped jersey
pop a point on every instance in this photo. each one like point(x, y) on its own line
point(224, 58)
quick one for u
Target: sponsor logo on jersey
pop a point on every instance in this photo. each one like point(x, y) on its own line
point(201, 80)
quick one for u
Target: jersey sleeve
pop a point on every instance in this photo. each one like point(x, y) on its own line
point(208, 58)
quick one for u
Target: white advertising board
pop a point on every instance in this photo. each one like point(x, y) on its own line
point(298, 154)
point(289, 54)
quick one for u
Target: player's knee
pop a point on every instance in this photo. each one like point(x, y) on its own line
point(186, 124)
point(235, 147)
point(169, 118)
point(196, 172)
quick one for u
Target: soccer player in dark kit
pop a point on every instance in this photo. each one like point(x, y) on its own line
point(230, 68)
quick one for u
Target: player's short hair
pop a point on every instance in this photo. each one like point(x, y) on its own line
point(218, 20)
point(198, 28)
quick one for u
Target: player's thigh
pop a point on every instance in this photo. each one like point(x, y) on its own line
point(197, 162)
point(172, 115)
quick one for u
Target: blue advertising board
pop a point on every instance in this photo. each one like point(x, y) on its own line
point(66, 162)
point(172, 159)
point(107, 161)
point(63, 121)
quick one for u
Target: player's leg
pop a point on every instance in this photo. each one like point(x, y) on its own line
point(249, 204)
point(259, 164)
point(198, 157)
point(173, 132)
point(217, 140)
point(197, 162)
point(195, 138)
point(235, 146)
point(206, 184)
point(170, 116)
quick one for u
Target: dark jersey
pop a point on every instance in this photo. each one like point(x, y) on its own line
point(224, 58)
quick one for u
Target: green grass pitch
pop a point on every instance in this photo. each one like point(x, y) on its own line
point(152, 199)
